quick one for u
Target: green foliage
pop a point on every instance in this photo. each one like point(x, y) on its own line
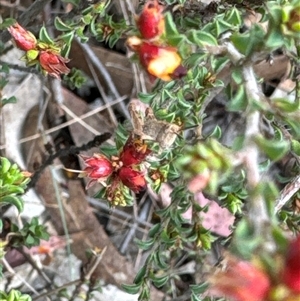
point(30, 235)
point(274, 149)
point(208, 45)
point(12, 184)
point(14, 295)
point(75, 79)
point(233, 193)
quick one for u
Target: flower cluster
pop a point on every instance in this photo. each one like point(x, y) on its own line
point(159, 59)
point(251, 281)
point(46, 55)
point(118, 171)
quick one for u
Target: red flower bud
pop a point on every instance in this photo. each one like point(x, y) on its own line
point(24, 39)
point(291, 273)
point(242, 281)
point(163, 62)
point(133, 179)
point(52, 63)
point(97, 167)
point(134, 152)
point(151, 21)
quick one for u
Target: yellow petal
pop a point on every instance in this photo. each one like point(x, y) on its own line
point(165, 64)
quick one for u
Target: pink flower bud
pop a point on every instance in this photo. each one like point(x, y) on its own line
point(97, 167)
point(133, 179)
point(52, 63)
point(24, 39)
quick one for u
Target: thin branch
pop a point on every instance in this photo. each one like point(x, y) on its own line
point(287, 192)
point(20, 68)
point(56, 128)
point(11, 271)
point(83, 123)
point(35, 265)
point(49, 293)
point(101, 68)
point(102, 92)
point(130, 234)
point(256, 204)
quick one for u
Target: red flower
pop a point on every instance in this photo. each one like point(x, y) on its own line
point(160, 61)
point(97, 168)
point(151, 21)
point(291, 273)
point(133, 179)
point(52, 63)
point(134, 152)
point(242, 281)
point(24, 39)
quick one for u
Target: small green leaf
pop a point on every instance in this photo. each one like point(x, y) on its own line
point(5, 165)
point(66, 50)
point(202, 38)
point(171, 29)
point(87, 19)
point(280, 239)
point(13, 200)
point(67, 37)
point(146, 97)
point(5, 69)
point(274, 39)
point(61, 25)
point(241, 42)
point(87, 10)
point(296, 147)
point(237, 76)
point(140, 275)
point(44, 36)
point(131, 288)
point(144, 245)
point(216, 133)
point(285, 105)
point(199, 288)
point(6, 23)
point(5, 101)
point(238, 100)
point(32, 54)
point(93, 26)
point(274, 149)
point(145, 294)
point(160, 281)
point(154, 230)
point(234, 17)
point(160, 260)
point(222, 26)
point(30, 240)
